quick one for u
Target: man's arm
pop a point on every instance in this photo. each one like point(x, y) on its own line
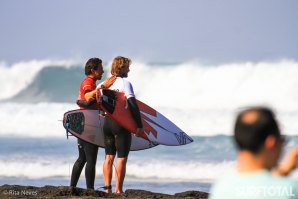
point(89, 99)
point(135, 111)
point(90, 95)
point(288, 164)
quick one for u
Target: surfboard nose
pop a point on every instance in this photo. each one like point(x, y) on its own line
point(183, 138)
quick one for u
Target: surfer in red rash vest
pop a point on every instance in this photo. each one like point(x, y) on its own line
point(86, 100)
point(118, 139)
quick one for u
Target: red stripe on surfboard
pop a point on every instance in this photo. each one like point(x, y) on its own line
point(146, 126)
point(145, 108)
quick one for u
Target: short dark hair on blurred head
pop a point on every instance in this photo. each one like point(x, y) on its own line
point(253, 126)
point(92, 63)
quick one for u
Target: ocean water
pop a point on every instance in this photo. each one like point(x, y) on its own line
point(203, 100)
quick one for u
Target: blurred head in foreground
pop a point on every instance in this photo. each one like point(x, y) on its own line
point(257, 133)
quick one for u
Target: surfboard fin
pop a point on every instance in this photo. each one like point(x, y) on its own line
point(101, 113)
point(66, 128)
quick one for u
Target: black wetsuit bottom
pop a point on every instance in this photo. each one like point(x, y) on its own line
point(87, 153)
point(116, 138)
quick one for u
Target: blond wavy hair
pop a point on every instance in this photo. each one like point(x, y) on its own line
point(118, 63)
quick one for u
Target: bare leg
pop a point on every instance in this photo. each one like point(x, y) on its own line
point(108, 170)
point(120, 170)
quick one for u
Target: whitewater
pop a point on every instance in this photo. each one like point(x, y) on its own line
point(201, 99)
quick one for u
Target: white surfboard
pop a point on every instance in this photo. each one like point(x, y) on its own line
point(158, 129)
point(88, 126)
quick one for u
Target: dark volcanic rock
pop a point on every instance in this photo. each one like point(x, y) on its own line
point(63, 192)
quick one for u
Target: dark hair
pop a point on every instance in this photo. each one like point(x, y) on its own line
point(250, 135)
point(92, 63)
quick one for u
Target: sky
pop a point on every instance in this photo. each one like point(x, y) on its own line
point(210, 31)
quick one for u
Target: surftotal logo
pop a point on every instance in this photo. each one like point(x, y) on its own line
point(265, 191)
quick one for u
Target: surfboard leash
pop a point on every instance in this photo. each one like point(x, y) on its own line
point(110, 186)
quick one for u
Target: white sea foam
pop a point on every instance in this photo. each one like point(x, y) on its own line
point(152, 170)
point(196, 86)
point(174, 170)
point(201, 100)
point(188, 85)
point(186, 171)
point(45, 120)
point(18, 76)
point(33, 120)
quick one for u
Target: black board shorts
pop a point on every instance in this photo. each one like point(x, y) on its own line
point(116, 138)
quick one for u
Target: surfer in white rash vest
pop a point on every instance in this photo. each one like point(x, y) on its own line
point(118, 139)
point(86, 100)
